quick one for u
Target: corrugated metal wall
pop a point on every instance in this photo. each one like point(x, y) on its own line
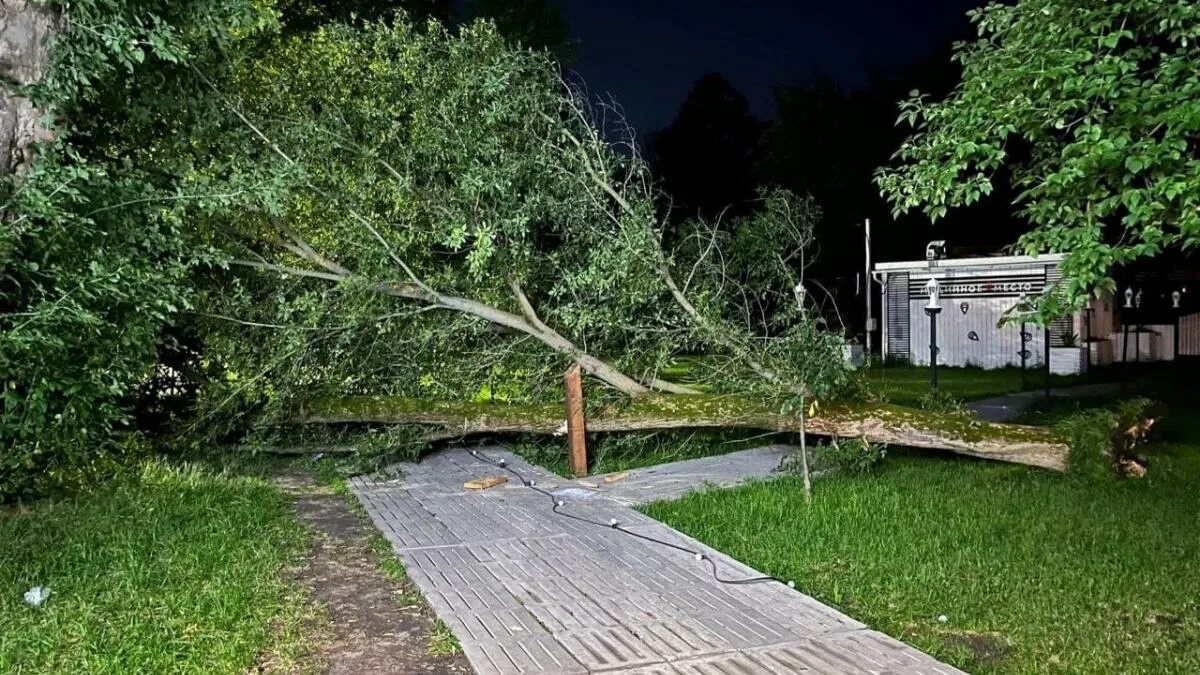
point(897, 328)
point(1189, 335)
point(972, 338)
point(973, 301)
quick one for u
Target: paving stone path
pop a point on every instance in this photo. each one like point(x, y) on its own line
point(528, 591)
point(674, 480)
point(1010, 407)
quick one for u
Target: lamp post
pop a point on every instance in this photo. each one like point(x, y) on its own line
point(1087, 338)
point(932, 309)
point(1024, 352)
point(1176, 299)
point(1137, 332)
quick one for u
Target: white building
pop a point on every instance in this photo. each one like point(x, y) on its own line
point(976, 294)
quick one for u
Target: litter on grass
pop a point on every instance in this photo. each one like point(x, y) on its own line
point(37, 596)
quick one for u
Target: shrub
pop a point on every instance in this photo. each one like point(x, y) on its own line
point(853, 455)
point(939, 401)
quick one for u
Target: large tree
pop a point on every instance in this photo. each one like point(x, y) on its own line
point(1092, 108)
point(706, 157)
point(93, 262)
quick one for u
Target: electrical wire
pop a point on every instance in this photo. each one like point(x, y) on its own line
point(614, 524)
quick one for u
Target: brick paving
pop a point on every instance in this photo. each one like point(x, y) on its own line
point(528, 591)
point(674, 480)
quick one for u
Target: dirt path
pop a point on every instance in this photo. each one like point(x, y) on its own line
point(377, 624)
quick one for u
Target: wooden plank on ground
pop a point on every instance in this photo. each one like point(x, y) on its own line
point(485, 483)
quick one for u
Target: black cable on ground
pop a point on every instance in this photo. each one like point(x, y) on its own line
point(614, 524)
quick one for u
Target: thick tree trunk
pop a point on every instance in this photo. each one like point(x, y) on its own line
point(25, 29)
point(878, 423)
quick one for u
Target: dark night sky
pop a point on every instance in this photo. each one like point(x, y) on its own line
point(647, 53)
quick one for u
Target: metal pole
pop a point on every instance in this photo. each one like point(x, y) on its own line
point(933, 346)
point(867, 282)
point(1178, 325)
point(1025, 357)
point(1087, 341)
point(1046, 350)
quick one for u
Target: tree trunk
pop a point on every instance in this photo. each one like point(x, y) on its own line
point(25, 31)
point(877, 423)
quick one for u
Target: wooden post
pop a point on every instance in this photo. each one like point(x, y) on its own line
point(576, 426)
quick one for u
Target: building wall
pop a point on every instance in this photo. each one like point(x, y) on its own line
point(974, 301)
point(973, 338)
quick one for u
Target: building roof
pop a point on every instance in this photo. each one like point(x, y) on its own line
point(995, 261)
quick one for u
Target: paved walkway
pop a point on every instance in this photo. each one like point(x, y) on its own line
point(528, 591)
point(674, 480)
point(1008, 408)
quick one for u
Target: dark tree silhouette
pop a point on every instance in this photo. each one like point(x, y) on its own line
point(536, 24)
point(706, 158)
point(827, 141)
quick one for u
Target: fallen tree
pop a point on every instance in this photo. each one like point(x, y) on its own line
point(875, 422)
point(1103, 440)
point(442, 214)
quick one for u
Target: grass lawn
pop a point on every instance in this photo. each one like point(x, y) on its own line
point(1034, 572)
point(169, 569)
point(905, 385)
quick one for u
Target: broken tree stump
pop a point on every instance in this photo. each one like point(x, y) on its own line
point(576, 425)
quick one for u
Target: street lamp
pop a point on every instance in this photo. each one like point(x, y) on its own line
point(932, 309)
point(1176, 299)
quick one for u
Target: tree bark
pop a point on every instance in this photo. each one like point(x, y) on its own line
point(877, 423)
point(25, 32)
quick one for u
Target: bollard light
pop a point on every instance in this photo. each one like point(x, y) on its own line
point(932, 288)
point(1176, 297)
point(932, 309)
point(1128, 298)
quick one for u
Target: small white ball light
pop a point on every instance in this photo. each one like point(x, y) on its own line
point(791, 584)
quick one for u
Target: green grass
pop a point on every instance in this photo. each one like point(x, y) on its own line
point(442, 641)
point(168, 569)
point(905, 385)
point(1035, 572)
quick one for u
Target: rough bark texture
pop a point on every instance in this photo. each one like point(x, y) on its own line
point(25, 29)
point(879, 423)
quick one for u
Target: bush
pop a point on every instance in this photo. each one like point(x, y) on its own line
point(853, 455)
point(939, 401)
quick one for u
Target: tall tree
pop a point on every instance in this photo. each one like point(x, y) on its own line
point(828, 139)
point(706, 157)
point(92, 259)
point(1093, 109)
